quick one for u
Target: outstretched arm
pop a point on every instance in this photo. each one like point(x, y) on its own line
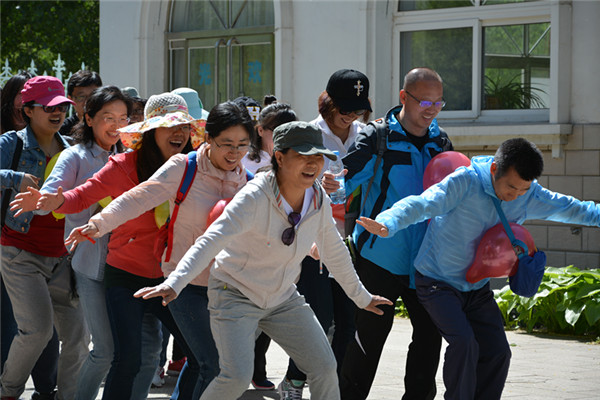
point(373, 226)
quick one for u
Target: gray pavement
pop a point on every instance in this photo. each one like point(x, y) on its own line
point(543, 368)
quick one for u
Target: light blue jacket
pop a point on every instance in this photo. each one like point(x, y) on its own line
point(461, 211)
point(32, 161)
point(74, 166)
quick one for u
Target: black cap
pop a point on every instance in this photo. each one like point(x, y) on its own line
point(349, 90)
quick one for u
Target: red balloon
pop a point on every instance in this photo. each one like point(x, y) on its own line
point(443, 165)
point(495, 257)
point(217, 210)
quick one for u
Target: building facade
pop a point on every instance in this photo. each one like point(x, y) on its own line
point(510, 68)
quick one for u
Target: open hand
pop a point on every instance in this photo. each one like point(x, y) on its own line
point(163, 290)
point(51, 201)
point(81, 234)
point(25, 201)
point(373, 226)
point(376, 301)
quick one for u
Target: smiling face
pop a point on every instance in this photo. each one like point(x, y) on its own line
point(297, 169)
point(414, 118)
point(342, 123)
point(510, 185)
point(172, 140)
point(227, 150)
point(43, 123)
point(105, 123)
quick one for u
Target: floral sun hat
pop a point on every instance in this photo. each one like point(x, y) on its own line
point(163, 111)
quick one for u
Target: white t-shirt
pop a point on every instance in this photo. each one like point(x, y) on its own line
point(253, 166)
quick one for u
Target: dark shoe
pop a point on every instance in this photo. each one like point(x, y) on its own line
point(263, 385)
point(43, 396)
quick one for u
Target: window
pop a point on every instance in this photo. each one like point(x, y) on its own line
point(222, 48)
point(494, 57)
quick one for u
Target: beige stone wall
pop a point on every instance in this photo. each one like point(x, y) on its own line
point(576, 173)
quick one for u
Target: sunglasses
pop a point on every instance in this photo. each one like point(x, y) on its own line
point(289, 234)
point(355, 112)
point(63, 108)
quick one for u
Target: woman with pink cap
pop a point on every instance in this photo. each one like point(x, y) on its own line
point(35, 268)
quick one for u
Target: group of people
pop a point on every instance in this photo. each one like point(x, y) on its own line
point(109, 237)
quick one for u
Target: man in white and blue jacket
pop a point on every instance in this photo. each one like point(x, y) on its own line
point(461, 210)
point(412, 139)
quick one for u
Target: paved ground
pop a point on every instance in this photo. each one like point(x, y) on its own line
point(543, 368)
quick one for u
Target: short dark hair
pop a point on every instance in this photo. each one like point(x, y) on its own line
point(328, 108)
point(11, 89)
point(521, 154)
point(274, 165)
point(83, 78)
point(82, 132)
point(270, 118)
point(226, 115)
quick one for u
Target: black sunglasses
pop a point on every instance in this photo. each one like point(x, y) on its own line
point(355, 112)
point(289, 234)
point(50, 109)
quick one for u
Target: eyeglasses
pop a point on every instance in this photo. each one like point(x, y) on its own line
point(355, 112)
point(50, 109)
point(118, 121)
point(427, 104)
point(230, 147)
point(81, 98)
point(289, 234)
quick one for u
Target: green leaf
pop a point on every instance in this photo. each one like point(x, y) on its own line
point(572, 314)
point(592, 313)
point(588, 290)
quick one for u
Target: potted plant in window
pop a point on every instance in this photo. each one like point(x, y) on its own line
point(501, 95)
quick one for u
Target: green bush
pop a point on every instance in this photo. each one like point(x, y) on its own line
point(568, 302)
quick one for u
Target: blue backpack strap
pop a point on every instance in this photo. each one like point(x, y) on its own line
point(520, 248)
point(249, 175)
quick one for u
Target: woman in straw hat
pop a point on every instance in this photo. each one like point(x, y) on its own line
point(167, 130)
point(259, 242)
point(219, 174)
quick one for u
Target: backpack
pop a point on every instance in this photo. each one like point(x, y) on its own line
point(354, 208)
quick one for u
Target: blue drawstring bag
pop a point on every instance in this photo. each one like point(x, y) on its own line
point(530, 272)
point(526, 281)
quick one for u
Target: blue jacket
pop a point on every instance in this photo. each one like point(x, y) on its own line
point(462, 210)
point(32, 161)
point(400, 174)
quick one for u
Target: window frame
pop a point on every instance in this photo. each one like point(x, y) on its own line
point(477, 17)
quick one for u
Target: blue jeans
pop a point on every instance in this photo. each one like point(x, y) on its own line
point(126, 315)
point(190, 311)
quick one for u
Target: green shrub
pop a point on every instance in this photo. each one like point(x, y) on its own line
point(568, 301)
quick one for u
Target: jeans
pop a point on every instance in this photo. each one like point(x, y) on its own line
point(234, 320)
point(39, 289)
point(126, 315)
point(478, 354)
point(190, 311)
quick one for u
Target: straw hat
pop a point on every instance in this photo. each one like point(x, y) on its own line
point(163, 111)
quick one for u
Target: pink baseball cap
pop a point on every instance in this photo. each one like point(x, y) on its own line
point(45, 90)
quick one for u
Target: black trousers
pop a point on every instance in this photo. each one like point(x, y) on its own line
point(363, 353)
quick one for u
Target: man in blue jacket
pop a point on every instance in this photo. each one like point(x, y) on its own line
point(461, 209)
point(411, 138)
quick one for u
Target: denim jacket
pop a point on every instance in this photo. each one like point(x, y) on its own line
point(32, 161)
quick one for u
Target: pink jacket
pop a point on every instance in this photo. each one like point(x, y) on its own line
point(131, 245)
point(210, 185)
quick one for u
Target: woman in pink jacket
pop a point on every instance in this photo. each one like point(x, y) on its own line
point(219, 175)
point(167, 130)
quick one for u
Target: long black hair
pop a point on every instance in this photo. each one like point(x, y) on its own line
point(270, 118)
point(150, 158)
point(10, 90)
point(82, 132)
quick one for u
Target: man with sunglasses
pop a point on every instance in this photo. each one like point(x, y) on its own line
point(411, 138)
point(35, 268)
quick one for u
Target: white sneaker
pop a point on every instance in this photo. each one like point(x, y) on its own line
point(159, 378)
point(290, 389)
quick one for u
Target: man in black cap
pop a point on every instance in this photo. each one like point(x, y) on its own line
point(408, 137)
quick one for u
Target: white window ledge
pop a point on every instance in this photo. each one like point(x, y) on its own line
point(483, 137)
